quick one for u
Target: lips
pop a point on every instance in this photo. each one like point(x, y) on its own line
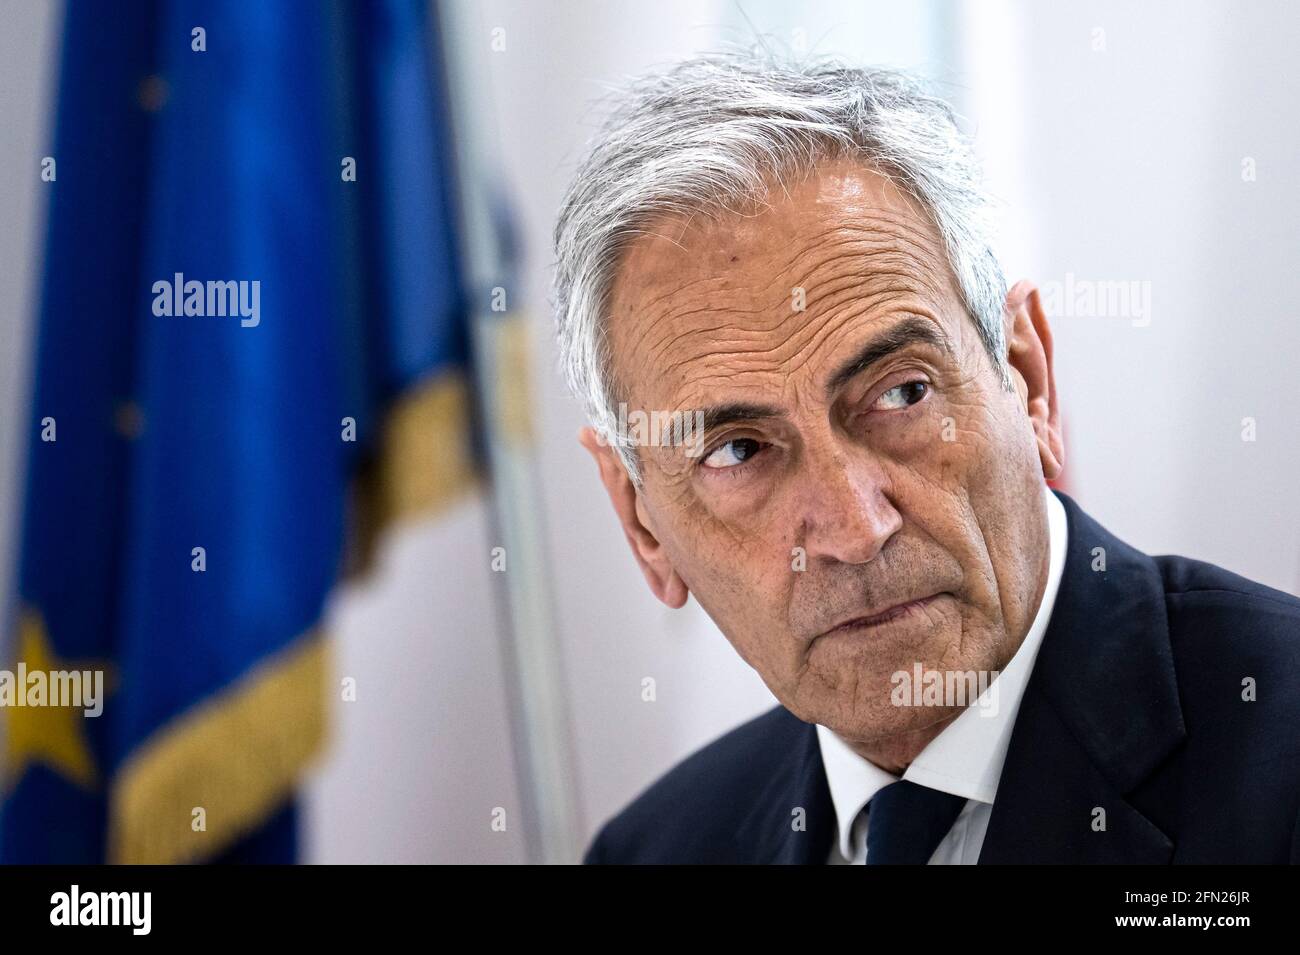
point(888, 615)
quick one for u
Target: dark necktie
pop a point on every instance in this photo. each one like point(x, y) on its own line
point(906, 822)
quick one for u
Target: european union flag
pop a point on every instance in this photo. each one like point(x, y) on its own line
point(251, 290)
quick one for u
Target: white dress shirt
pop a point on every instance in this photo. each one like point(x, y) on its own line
point(965, 759)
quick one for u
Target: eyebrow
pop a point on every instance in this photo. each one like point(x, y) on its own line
point(719, 416)
point(910, 331)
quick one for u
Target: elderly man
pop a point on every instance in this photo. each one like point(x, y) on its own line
point(794, 262)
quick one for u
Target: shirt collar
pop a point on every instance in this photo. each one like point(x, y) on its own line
point(966, 758)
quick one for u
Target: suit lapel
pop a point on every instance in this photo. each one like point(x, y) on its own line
point(793, 818)
point(1099, 715)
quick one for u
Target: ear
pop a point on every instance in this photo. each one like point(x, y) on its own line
point(1029, 352)
point(623, 494)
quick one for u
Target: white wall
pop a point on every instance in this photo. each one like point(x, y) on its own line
point(419, 763)
point(1128, 166)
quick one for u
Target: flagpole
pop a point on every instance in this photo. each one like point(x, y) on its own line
point(539, 713)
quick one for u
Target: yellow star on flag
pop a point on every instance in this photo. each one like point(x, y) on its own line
point(51, 735)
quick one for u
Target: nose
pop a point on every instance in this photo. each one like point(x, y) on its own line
point(847, 516)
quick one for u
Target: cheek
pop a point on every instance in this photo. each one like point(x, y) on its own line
point(741, 581)
point(734, 559)
point(980, 446)
point(731, 537)
point(968, 470)
point(1007, 472)
point(992, 480)
point(948, 443)
point(744, 583)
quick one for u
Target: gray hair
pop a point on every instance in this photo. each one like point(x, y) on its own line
point(706, 135)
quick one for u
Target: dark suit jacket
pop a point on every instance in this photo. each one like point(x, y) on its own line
point(1134, 705)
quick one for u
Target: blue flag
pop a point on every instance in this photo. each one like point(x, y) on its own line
point(251, 301)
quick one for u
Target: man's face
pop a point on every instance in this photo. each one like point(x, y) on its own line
point(866, 495)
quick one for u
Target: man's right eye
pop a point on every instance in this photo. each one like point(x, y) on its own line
point(731, 453)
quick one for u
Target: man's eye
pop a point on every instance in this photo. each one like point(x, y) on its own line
point(733, 452)
point(900, 396)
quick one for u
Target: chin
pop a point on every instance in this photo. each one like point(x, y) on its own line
point(878, 726)
point(858, 708)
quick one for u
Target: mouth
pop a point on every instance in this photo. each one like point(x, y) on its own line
point(890, 615)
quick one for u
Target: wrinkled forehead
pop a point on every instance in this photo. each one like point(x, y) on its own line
point(758, 296)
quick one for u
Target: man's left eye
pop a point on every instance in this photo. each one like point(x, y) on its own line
point(901, 396)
